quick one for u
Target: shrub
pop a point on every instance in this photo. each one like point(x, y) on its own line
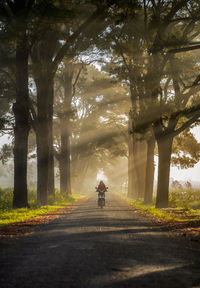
point(6, 198)
point(186, 199)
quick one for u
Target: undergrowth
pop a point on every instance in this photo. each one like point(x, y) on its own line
point(179, 213)
point(8, 215)
point(189, 199)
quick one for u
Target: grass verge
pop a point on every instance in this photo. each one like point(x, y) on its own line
point(19, 215)
point(169, 214)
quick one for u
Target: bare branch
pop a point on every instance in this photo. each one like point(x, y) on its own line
point(76, 80)
point(184, 49)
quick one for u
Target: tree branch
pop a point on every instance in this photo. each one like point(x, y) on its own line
point(61, 53)
point(76, 80)
point(184, 49)
point(33, 117)
point(186, 125)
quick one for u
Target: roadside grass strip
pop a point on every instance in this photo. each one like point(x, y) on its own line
point(169, 214)
point(23, 214)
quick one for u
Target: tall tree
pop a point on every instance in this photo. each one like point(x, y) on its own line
point(60, 44)
point(166, 83)
point(66, 81)
point(16, 16)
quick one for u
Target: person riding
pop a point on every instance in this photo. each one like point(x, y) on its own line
point(101, 186)
point(101, 189)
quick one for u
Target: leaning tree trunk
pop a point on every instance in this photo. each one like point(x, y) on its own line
point(164, 160)
point(149, 180)
point(21, 129)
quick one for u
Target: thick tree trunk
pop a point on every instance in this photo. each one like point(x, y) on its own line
point(142, 160)
point(42, 163)
point(21, 130)
point(44, 140)
point(51, 181)
point(139, 152)
point(130, 168)
point(164, 160)
point(64, 163)
point(149, 180)
point(65, 133)
point(134, 188)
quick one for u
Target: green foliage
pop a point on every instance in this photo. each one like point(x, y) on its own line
point(6, 152)
point(183, 214)
point(186, 150)
point(185, 199)
point(6, 198)
point(150, 209)
point(23, 214)
point(8, 215)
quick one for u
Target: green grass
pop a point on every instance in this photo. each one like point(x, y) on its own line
point(8, 215)
point(168, 214)
point(19, 215)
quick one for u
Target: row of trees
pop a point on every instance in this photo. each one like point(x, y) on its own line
point(37, 35)
point(155, 51)
point(149, 59)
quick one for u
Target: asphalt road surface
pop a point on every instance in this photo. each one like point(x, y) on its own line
point(90, 247)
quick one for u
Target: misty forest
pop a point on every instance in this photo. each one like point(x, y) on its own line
point(96, 91)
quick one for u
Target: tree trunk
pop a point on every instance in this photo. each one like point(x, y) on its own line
point(42, 163)
point(130, 168)
point(141, 169)
point(21, 129)
point(64, 163)
point(44, 140)
point(139, 153)
point(149, 180)
point(164, 154)
point(65, 133)
point(51, 180)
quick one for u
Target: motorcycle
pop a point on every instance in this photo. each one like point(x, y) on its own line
point(101, 197)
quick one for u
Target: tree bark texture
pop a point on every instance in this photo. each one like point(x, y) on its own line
point(21, 129)
point(43, 136)
point(132, 173)
point(65, 131)
point(164, 154)
point(64, 162)
point(130, 168)
point(51, 180)
point(140, 158)
point(149, 180)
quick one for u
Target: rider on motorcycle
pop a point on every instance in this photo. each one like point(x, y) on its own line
point(101, 189)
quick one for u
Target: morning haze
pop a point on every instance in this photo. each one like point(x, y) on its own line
point(99, 107)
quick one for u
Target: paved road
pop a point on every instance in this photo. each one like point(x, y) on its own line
point(92, 248)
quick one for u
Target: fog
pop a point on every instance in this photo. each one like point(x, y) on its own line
point(95, 90)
